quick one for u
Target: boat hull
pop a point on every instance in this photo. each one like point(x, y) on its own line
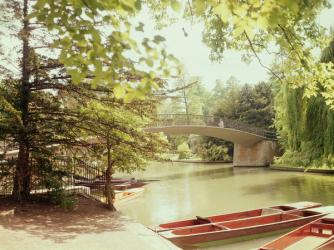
point(234, 216)
point(318, 234)
point(127, 195)
point(327, 246)
point(241, 233)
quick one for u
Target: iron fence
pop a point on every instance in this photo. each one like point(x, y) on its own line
point(72, 175)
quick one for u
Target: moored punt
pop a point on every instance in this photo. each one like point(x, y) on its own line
point(129, 194)
point(128, 185)
point(117, 183)
point(237, 230)
point(235, 216)
point(328, 245)
point(308, 237)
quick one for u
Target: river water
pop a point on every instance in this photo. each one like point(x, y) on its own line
point(189, 189)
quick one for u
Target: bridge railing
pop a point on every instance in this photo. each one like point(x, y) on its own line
point(163, 120)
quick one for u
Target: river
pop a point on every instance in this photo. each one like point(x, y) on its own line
point(189, 189)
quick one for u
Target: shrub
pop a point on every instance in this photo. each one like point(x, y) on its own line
point(184, 151)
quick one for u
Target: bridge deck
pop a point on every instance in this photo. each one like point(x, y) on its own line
point(229, 134)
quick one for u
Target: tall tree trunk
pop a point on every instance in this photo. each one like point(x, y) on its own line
point(185, 98)
point(110, 195)
point(22, 179)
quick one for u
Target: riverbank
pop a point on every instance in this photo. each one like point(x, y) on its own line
point(88, 226)
point(301, 169)
point(203, 161)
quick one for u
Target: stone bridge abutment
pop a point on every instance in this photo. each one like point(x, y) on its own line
point(258, 155)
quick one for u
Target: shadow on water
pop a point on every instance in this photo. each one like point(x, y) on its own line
point(174, 171)
point(203, 174)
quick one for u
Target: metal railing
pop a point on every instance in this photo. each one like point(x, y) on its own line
point(163, 120)
point(73, 174)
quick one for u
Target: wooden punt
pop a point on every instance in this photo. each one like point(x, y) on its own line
point(328, 245)
point(128, 185)
point(118, 184)
point(234, 216)
point(241, 229)
point(126, 195)
point(315, 235)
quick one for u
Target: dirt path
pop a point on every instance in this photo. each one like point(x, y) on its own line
point(89, 226)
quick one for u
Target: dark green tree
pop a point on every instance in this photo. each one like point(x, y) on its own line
point(71, 52)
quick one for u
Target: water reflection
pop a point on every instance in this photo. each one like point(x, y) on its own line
point(313, 187)
point(170, 170)
point(187, 190)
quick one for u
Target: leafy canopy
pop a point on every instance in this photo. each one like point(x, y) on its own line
point(95, 40)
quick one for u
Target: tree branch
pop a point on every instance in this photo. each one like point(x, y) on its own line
point(259, 60)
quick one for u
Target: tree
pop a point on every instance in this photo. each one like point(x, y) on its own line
point(226, 98)
point(255, 26)
point(189, 97)
point(119, 140)
point(305, 123)
point(256, 105)
point(214, 149)
point(252, 26)
point(250, 104)
point(71, 53)
point(190, 101)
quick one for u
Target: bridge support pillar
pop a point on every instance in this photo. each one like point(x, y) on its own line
point(258, 155)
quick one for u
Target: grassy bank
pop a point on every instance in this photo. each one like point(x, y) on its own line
point(302, 169)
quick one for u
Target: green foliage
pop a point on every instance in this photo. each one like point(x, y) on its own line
point(254, 26)
point(191, 98)
point(304, 159)
point(120, 129)
point(61, 198)
point(175, 140)
point(305, 124)
point(81, 76)
point(306, 128)
point(256, 105)
point(184, 151)
point(231, 24)
point(100, 48)
point(213, 149)
point(226, 98)
point(250, 104)
point(51, 178)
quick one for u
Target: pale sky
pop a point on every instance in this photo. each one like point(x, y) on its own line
point(194, 54)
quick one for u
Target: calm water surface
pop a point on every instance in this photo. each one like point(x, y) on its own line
point(189, 189)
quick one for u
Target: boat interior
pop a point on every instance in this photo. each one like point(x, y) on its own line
point(242, 223)
point(184, 223)
point(127, 193)
point(284, 208)
point(228, 217)
point(329, 245)
point(307, 237)
point(212, 219)
point(242, 215)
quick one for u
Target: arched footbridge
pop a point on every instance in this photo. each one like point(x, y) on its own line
point(252, 146)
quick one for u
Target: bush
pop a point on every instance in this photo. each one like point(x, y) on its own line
point(305, 159)
point(214, 153)
point(61, 198)
point(184, 151)
point(57, 195)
